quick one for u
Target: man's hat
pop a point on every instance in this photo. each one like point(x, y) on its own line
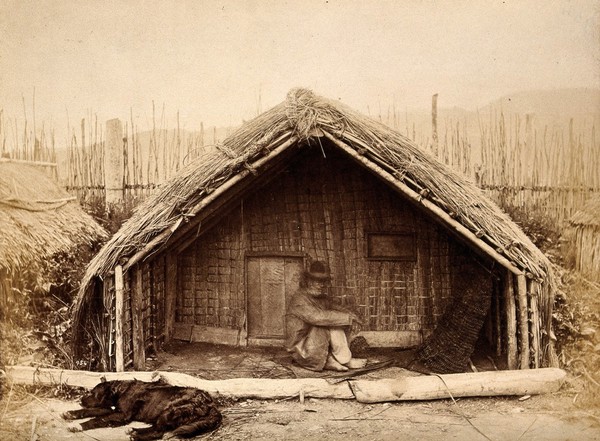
point(318, 271)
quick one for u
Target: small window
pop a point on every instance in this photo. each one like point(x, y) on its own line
point(391, 246)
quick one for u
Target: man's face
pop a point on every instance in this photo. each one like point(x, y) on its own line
point(315, 287)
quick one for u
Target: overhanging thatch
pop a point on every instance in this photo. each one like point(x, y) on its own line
point(38, 218)
point(299, 122)
point(589, 215)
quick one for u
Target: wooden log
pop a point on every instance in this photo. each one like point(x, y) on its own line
point(511, 322)
point(119, 316)
point(481, 384)
point(139, 350)
point(260, 388)
point(263, 388)
point(523, 321)
point(429, 387)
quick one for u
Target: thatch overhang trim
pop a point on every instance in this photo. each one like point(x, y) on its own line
point(427, 205)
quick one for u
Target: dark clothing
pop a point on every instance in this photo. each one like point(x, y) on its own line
point(309, 322)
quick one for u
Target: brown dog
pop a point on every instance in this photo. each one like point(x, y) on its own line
point(184, 411)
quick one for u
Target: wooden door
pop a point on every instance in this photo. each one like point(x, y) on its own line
point(270, 284)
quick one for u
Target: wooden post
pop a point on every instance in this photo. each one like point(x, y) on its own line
point(511, 322)
point(119, 308)
point(170, 294)
point(139, 349)
point(113, 162)
point(523, 321)
point(434, 132)
point(535, 323)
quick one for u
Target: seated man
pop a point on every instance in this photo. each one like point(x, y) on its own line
point(316, 329)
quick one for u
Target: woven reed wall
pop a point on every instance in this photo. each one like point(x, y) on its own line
point(210, 278)
point(156, 307)
point(323, 207)
point(152, 307)
point(151, 311)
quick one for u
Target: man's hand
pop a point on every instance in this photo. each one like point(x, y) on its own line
point(355, 319)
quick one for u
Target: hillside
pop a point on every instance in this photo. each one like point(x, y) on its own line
point(556, 103)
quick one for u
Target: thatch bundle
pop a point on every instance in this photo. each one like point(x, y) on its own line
point(38, 218)
point(295, 123)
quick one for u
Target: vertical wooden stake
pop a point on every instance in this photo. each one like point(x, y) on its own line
point(511, 322)
point(119, 308)
point(535, 324)
point(434, 131)
point(523, 321)
point(139, 350)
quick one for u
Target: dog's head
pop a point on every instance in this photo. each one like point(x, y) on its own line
point(103, 395)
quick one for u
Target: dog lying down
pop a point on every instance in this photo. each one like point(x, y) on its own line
point(182, 411)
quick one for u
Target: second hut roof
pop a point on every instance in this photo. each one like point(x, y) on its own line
point(589, 215)
point(38, 218)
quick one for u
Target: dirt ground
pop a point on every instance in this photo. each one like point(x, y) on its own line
point(548, 417)
point(538, 418)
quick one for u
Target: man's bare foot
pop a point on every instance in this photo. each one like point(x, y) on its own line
point(333, 365)
point(357, 363)
point(75, 427)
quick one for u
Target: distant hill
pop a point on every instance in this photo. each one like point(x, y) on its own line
point(548, 108)
point(550, 104)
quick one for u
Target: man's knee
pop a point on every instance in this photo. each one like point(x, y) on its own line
point(339, 345)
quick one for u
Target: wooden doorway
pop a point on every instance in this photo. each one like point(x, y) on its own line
point(271, 281)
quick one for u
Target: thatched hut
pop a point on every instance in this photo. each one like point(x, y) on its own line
point(416, 249)
point(584, 239)
point(39, 220)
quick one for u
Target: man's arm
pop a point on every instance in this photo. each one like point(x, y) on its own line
point(310, 311)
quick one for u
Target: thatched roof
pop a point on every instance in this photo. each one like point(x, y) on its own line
point(589, 215)
point(292, 124)
point(38, 218)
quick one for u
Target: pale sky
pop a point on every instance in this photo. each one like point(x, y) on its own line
point(212, 59)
